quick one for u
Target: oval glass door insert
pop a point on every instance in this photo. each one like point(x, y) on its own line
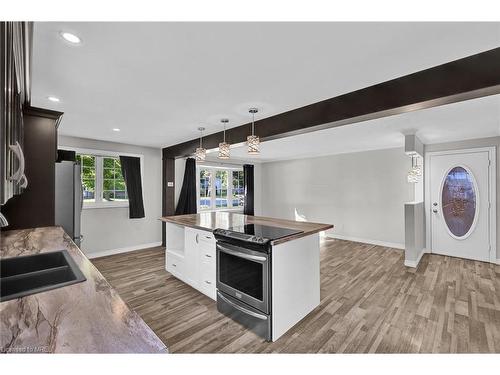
point(458, 200)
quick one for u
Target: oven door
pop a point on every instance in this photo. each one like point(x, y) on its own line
point(243, 274)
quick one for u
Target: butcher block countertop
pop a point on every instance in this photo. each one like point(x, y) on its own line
point(87, 317)
point(225, 220)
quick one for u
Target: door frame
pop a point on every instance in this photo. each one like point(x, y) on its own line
point(492, 182)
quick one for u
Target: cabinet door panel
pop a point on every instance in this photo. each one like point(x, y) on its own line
point(175, 265)
point(191, 256)
point(207, 282)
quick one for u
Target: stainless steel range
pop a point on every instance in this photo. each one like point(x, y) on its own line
point(244, 256)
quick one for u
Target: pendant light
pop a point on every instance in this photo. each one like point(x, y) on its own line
point(200, 152)
point(224, 146)
point(253, 141)
point(416, 170)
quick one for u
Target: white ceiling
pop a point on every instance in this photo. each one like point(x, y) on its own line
point(158, 82)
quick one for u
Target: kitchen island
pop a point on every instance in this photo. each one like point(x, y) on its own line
point(88, 317)
point(263, 272)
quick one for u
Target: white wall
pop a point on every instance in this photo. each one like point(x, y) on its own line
point(108, 229)
point(362, 194)
point(480, 142)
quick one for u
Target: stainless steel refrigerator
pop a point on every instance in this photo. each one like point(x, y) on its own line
point(69, 199)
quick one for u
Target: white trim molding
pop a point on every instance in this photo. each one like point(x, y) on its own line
point(127, 249)
point(394, 245)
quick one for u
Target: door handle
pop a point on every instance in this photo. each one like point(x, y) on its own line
point(18, 175)
point(196, 239)
point(239, 254)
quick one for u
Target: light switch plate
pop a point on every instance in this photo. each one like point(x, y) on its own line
point(170, 184)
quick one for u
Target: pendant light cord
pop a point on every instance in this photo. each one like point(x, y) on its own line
point(253, 123)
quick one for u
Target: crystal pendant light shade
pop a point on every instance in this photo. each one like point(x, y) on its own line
point(415, 172)
point(200, 153)
point(224, 147)
point(224, 152)
point(253, 141)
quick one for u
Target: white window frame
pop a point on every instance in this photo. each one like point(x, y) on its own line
point(100, 154)
point(212, 169)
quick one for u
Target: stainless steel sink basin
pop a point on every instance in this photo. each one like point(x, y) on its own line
point(25, 275)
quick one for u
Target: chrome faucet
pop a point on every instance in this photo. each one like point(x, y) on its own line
point(3, 221)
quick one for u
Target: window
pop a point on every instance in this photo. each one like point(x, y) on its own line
point(88, 164)
point(102, 181)
point(458, 201)
point(113, 184)
point(238, 191)
point(220, 188)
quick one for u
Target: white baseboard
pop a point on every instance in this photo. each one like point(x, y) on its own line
point(394, 245)
point(104, 253)
point(414, 263)
point(498, 262)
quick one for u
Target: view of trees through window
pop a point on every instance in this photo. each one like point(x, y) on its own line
point(102, 179)
point(238, 191)
point(88, 164)
point(205, 189)
point(113, 184)
point(220, 188)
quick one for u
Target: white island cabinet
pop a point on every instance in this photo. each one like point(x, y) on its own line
point(294, 276)
point(191, 257)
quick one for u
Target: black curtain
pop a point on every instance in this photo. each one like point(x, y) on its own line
point(187, 198)
point(131, 170)
point(248, 181)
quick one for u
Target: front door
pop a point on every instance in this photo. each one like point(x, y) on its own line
point(460, 203)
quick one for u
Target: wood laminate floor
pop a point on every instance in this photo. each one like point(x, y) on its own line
point(370, 303)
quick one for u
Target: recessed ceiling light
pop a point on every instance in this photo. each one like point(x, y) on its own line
point(72, 38)
point(116, 129)
point(53, 99)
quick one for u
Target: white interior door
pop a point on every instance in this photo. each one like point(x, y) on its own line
point(460, 204)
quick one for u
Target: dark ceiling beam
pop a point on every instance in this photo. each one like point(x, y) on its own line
point(467, 78)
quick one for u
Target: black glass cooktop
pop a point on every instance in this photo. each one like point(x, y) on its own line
point(264, 231)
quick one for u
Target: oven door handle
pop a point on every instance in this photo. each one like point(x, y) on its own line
point(241, 254)
point(242, 309)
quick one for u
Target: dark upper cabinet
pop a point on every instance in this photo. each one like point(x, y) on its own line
point(35, 206)
point(15, 76)
point(28, 136)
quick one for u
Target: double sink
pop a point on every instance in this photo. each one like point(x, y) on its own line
point(25, 275)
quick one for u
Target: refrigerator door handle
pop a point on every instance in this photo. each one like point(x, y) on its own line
point(81, 196)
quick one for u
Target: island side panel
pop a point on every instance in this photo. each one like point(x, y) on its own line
point(295, 282)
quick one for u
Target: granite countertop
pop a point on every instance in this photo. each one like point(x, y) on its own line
point(225, 220)
point(88, 317)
